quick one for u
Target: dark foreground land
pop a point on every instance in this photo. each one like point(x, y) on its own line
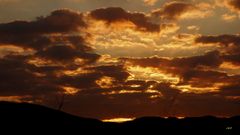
point(23, 118)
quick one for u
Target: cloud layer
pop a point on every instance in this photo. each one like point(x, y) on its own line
point(113, 62)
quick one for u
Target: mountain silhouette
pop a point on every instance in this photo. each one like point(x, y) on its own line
point(22, 117)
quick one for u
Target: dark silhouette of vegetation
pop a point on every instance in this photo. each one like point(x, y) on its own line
point(24, 117)
point(60, 102)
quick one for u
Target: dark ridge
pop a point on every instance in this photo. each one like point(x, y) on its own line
point(24, 117)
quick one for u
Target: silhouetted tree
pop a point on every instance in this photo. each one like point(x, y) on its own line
point(60, 99)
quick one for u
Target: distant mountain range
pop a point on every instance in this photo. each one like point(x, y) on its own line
point(25, 118)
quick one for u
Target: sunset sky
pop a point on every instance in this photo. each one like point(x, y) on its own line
point(122, 58)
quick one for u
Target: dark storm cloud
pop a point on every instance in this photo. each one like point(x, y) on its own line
point(38, 35)
point(31, 33)
point(192, 70)
point(117, 14)
point(201, 78)
point(56, 47)
point(139, 104)
point(65, 54)
point(235, 58)
point(231, 90)
point(41, 74)
point(18, 78)
point(88, 80)
point(116, 71)
point(220, 39)
point(230, 46)
point(173, 10)
point(118, 105)
point(52, 38)
point(166, 90)
point(59, 21)
point(235, 4)
point(210, 59)
point(197, 70)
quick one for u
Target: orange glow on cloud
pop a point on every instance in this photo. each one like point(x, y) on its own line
point(39, 62)
point(105, 82)
point(229, 17)
point(201, 10)
point(229, 65)
point(11, 49)
point(153, 93)
point(70, 90)
point(150, 2)
point(196, 90)
point(121, 92)
point(149, 73)
point(76, 72)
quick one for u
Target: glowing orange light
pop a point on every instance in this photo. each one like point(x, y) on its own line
point(13, 98)
point(197, 90)
point(105, 82)
point(142, 73)
point(70, 90)
point(118, 120)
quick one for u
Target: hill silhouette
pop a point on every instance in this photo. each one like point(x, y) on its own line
point(24, 116)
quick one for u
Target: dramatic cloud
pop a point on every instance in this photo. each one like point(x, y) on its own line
point(70, 22)
point(56, 48)
point(231, 90)
point(173, 10)
point(66, 53)
point(115, 14)
point(230, 45)
point(235, 58)
point(234, 5)
point(182, 10)
point(220, 39)
point(18, 78)
point(144, 57)
point(31, 34)
point(190, 70)
point(210, 59)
